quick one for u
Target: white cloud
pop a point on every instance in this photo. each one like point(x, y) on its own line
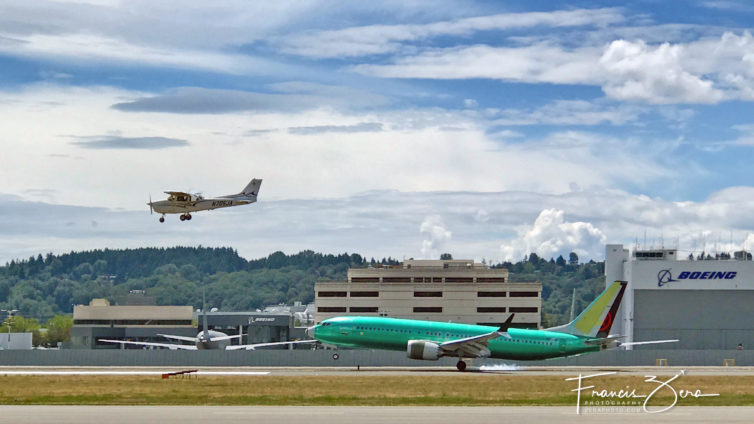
point(96, 48)
point(417, 150)
point(177, 34)
point(708, 70)
point(385, 223)
point(551, 236)
point(653, 74)
point(533, 64)
point(470, 103)
point(382, 39)
point(572, 112)
point(436, 236)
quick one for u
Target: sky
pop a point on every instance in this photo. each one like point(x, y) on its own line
point(483, 129)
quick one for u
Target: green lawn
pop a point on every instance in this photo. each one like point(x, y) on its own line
point(459, 390)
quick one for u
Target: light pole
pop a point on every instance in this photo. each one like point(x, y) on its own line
point(10, 317)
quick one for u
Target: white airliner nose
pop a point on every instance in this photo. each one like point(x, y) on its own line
point(310, 332)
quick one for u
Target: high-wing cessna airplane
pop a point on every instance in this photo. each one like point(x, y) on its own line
point(430, 340)
point(185, 203)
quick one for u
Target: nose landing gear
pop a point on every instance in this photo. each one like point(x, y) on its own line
point(162, 218)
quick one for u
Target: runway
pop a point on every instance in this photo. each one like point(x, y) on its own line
point(125, 372)
point(382, 371)
point(364, 415)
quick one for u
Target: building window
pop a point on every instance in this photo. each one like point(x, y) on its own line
point(437, 279)
point(490, 309)
point(459, 280)
point(531, 325)
point(490, 280)
point(363, 309)
point(428, 309)
point(524, 294)
point(427, 294)
point(365, 280)
point(396, 279)
point(524, 309)
point(331, 309)
point(131, 322)
point(490, 294)
point(331, 294)
point(365, 294)
point(422, 279)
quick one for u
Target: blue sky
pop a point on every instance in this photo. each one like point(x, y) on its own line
point(559, 126)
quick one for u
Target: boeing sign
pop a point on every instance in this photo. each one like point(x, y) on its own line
point(665, 276)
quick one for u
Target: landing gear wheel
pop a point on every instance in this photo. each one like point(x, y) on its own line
point(162, 219)
point(461, 365)
point(183, 217)
point(335, 356)
point(188, 217)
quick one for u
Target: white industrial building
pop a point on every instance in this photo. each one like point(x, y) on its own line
point(437, 290)
point(15, 341)
point(706, 304)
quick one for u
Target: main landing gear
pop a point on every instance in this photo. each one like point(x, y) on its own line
point(186, 217)
point(461, 365)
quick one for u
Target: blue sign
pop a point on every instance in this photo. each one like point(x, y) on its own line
point(665, 276)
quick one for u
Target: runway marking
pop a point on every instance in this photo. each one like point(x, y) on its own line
point(75, 372)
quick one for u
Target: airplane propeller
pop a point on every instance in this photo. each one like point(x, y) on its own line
point(151, 209)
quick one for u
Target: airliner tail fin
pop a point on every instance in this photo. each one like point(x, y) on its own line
point(597, 319)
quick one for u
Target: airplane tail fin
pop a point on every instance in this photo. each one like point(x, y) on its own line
point(205, 328)
point(251, 189)
point(597, 319)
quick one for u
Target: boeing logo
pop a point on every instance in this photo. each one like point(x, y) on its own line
point(665, 276)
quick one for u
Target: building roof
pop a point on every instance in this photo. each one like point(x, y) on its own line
point(88, 312)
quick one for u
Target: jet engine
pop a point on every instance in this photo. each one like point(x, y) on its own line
point(420, 349)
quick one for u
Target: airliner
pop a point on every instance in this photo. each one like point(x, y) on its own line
point(430, 340)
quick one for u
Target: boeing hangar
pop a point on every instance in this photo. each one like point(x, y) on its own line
point(705, 303)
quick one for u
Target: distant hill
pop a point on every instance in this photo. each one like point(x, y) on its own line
point(129, 263)
point(41, 287)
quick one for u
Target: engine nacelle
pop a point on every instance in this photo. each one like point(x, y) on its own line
point(420, 349)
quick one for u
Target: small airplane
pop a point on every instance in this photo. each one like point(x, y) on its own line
point(429, 340)
point(206, 339)
point(185, 203)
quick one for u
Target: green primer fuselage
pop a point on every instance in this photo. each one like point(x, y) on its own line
point(394, 334)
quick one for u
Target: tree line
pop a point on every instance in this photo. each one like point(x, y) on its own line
point(45, 286)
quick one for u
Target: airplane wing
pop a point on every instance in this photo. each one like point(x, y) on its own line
point(254, 346)
point(182, 338)
point(177, 193)
point(648, 342)
point(471, 347)
point(475, 346)
point(614, 342)
point(193, 339)
point(167, 345)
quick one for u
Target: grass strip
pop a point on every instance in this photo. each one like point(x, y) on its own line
point(458, 390)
